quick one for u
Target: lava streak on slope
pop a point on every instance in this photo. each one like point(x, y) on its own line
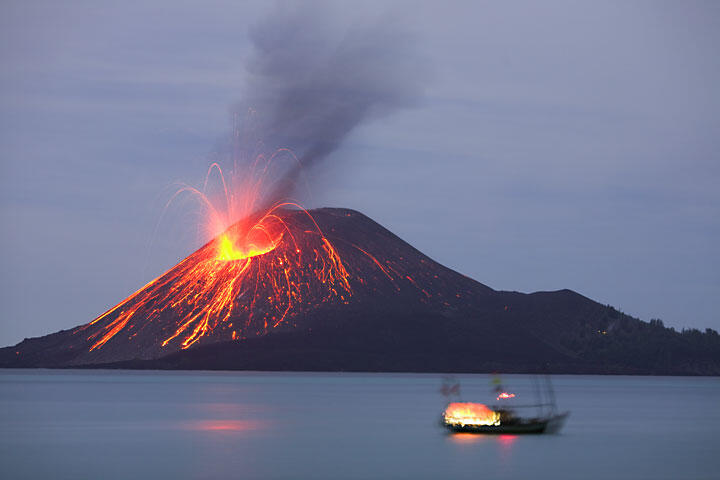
point(243, 283)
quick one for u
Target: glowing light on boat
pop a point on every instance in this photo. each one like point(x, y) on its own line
point(468, 413)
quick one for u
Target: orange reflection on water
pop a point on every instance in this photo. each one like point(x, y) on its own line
point(224, 425)
point(467, 438)
point(507, 440)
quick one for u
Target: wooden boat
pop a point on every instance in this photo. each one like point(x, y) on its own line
point(511, 424)
point(470, 417)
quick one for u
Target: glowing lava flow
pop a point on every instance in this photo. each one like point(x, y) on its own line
point(244, 282)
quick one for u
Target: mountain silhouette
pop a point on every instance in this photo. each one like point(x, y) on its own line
point(330, 289)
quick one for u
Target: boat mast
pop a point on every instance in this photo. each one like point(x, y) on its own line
point(551, 394)
point(538, 395)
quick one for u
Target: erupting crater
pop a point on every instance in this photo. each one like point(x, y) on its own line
point(231, 289)
point(229, 250)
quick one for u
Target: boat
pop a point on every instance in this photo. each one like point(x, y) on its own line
point(507, 422)
point(471, 417)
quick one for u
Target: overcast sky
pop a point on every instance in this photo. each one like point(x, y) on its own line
point(552, 145)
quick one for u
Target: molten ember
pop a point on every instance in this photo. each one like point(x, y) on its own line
point(459, 413)
point(504, 395)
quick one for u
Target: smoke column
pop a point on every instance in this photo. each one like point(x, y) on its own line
point(312, 82)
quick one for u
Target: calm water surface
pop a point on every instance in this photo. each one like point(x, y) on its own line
point(125, 424)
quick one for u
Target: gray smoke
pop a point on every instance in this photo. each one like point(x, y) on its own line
point(312, 82)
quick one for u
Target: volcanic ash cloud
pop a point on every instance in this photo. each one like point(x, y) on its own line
point(312, 82)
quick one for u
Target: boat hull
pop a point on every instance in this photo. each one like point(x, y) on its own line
point(546, 425)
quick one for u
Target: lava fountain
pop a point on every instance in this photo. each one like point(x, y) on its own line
point(247, 280)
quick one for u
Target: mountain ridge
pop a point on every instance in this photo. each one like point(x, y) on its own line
point(378, 304)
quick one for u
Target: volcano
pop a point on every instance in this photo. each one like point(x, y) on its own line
point(330, 289)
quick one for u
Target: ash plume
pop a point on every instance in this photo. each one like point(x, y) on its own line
point(311, 82)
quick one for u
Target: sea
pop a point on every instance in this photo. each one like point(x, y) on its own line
point(99, 424)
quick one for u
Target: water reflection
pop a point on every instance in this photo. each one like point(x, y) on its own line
point(502, 445)
point(506, 443)
point(225, 417)
point(507, 440)
point(467, 438)
point(224, 425)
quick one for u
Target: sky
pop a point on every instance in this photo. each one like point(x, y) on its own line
point(547, 145)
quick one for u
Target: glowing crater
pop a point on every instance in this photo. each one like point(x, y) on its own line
point(229, 251)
